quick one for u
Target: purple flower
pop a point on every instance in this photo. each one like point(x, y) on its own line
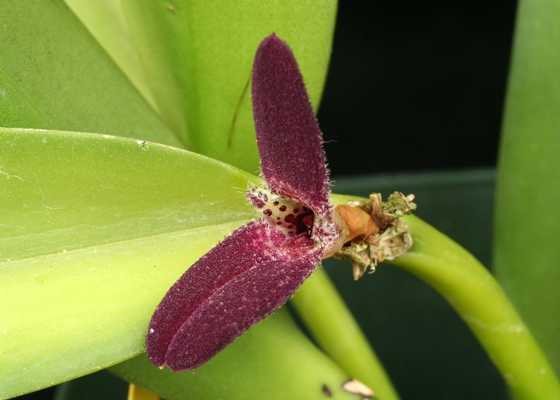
point(258, 267)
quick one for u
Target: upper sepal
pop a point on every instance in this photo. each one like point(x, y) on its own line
point(288, 136)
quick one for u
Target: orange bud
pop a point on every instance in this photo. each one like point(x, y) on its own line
point(360, 224)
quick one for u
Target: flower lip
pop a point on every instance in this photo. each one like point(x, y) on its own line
point(285, 215)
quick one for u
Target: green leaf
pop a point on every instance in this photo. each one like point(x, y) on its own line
point(527, 219)
point(54, 75)
point(104, 19)
point(95, 229)
point(198, 57)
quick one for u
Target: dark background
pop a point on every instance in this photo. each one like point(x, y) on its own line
point(416, 86)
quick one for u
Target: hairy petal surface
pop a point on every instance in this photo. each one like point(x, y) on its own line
point(239, 282)
point(288, 136)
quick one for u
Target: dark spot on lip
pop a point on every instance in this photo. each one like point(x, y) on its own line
point(326, 391)
point(290, 218)
point(258, 203)
point(263, 196)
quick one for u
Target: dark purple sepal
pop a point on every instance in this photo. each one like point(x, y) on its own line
point(289, 139)
point(238, 283)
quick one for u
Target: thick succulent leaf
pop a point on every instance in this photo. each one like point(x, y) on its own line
point(95, 229)
point(272, 360)
point(198, 57)
point(235, 285)
point(527, 219)
point(104, 19)
point(289, 140)
point(54, 75)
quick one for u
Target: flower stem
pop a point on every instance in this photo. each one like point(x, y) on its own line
point(331, 324)
point(483, 305)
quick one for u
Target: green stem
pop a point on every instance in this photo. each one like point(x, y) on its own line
point(483, 305)
point(331, 324)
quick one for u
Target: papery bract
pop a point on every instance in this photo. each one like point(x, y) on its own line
point(259, 266)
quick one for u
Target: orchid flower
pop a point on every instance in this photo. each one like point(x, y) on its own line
point(258, 267)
